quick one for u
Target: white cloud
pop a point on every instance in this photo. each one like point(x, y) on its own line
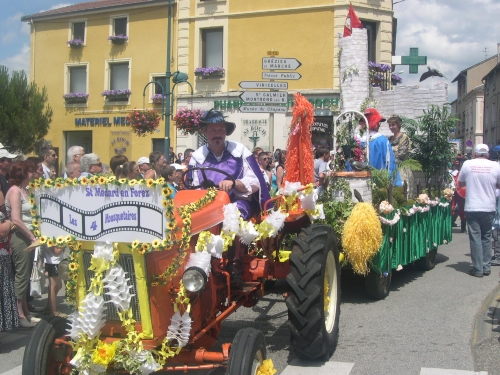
point(20, 61)
point(453, 34)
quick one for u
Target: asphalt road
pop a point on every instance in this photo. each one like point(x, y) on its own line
point(442, 318)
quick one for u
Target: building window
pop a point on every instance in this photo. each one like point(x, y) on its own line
point(371, 32)
point(157, 89)
point(77, 79)
point(78, 30)
point(119, 76)
point(120, 26)
point(212, 47)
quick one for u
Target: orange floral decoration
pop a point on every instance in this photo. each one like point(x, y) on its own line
point(299, 164)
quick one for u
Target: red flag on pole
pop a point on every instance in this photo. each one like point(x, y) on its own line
point(351, 22)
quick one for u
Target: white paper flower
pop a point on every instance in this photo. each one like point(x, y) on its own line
point(179, 328)
point(385, 207)
point(200, 260)
point(216, 246)
point(118, 288)
point(400, 267)
point(276, 219)
point(290, 188)
point(308, 201)
point(320, 212)
point(148, 363)
point(248, 233)
point(231, 221)
point(90, 319)
point(103, 250)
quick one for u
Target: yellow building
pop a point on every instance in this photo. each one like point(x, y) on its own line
point(235, 35)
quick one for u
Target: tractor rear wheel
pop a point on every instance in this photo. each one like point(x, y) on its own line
point(428, 262)
point(41, 356)
point(247, 352)
point(378, 285)
point(314, 293)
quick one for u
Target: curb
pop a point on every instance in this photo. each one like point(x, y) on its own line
point(486, 318)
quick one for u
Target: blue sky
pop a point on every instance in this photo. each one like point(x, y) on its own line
point(453, 34)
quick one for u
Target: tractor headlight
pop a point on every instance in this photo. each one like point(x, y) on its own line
point(194, 279)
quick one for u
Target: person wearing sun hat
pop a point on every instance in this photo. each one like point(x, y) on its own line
point(250, 191)
point(233, 158)
point(482, 177)
point(381, 155)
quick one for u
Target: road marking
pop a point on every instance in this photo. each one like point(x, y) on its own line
point(297, 367)
point(440, 371)
point(14, 371)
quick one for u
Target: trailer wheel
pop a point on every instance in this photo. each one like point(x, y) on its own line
point(428, 262)
point(314, 293)
point(378, 285)
point(247, 352)
point(41, 356)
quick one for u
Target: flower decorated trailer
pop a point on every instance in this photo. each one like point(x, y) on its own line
point(149, 276)
point(379, 240)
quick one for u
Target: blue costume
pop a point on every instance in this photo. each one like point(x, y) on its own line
point(382, 157)
point(239, 162)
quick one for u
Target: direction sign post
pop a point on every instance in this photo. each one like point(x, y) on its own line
point(264, 85)
point(281, 75)
point(262, 109)
point(271, 97)
point(273, 63)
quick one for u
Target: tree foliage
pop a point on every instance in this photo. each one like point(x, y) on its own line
point(24, 115)
point(429, 135)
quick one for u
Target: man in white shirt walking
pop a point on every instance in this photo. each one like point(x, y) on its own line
point(481, 176)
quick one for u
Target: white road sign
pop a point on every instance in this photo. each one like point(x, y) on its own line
point(262, 109)
point(281, 75)
point(272, 97)
point(280, 63)
point(264, 85)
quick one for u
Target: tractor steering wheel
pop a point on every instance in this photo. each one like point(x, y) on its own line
point(206, 183)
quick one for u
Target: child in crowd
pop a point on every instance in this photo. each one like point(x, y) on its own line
point(52, 257)
point(168, 173)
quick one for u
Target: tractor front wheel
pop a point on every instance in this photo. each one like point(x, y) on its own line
point(314, 293)
point(247, 353)
point(42, 356)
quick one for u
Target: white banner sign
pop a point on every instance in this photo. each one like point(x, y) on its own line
point(104, 213)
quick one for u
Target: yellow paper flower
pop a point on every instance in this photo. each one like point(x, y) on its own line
point(32, 184)
point(164, 203)
point(31, 200)
point(135, 244)
point(36, 232)
point(75, 181)
point(266, 368)
point(43, 240)
point(35, 223)
point(171, 225)
point(132, 182)
point(68, 238)
point(160, 181)
point(101, 180)
point(150, 182)
point(48, 182)
point(104, 354)
point(50, 242)
point(73, 266)
point(122, 180)
point(59, 185)
point(33, 212)
point(156, 243)
point(145, 247)
point(60, 240)
point(84, 181)
point(93, 180)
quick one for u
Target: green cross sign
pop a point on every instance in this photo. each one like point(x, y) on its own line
point(414, 60)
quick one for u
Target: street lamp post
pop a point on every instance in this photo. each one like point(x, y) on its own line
point(167, 92)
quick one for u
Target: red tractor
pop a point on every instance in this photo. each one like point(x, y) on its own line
point(313, 299)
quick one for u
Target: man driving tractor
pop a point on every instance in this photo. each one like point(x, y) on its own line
point(233, 169)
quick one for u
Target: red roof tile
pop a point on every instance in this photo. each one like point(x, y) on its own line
point(89, 6)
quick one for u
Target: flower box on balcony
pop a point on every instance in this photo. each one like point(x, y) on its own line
point(157, 98)
point(75, 43)
point(204, 73)
point(116, 95)
point(75, 97)
point(118, 39)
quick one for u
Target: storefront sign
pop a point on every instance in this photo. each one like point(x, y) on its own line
point(102, 212)
point(120, 143)
point(255, 133)
point(318, 103)
point(100, 121)
point(320, 127)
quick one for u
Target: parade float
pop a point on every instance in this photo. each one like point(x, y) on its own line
point(149, 278)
